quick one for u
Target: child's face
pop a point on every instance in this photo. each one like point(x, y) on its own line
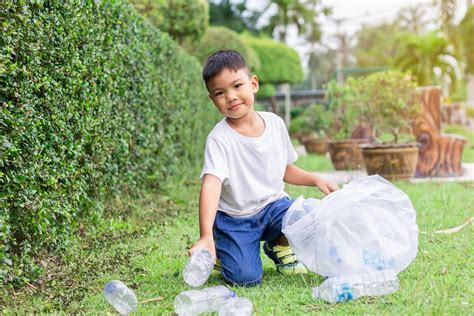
point(233, 92)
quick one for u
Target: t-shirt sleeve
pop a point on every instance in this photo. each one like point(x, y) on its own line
point(215, 160)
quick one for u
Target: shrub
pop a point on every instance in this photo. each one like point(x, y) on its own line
point(94, 102)
point(389, 100)
point(345, 112)
point(219, 37)
point(182, 19)
point(279, 63)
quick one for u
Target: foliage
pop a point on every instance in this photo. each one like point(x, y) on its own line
point(413, 19)
point(315, 119)
point(94, 102)
point(321, 66)
point(389, 102)
point(233, 15)
point(301, 14)
point(266, 90)
point(378, 45)
point(344, 110)
point(182, 19)
point(219, 37)
point(425, 53)
point(279, 63)
point(466, 31)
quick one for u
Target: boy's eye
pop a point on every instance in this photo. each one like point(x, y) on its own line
point(218, 94)
point(238, 85)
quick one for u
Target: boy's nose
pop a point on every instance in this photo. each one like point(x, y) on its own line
point(231, 97)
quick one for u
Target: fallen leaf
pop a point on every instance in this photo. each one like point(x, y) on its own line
point(455, 229)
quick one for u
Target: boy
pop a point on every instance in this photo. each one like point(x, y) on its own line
point(248, 158)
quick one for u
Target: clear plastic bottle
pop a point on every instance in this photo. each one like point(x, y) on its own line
point(236, 306)
point(120, 297)
point(351, 287)
point(194, 302)
point(199, 267)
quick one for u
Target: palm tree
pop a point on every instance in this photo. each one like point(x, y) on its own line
point(424, 55)
point(413, 19)
point(300, 13)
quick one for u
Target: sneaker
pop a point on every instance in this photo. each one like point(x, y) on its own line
point(285, 259)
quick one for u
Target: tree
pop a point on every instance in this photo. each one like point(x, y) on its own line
point(299, 13)
point(219, 37)
point(378, 45)
point(424, 55)
point(412, 19)
point(180, 18)
point(233, 15)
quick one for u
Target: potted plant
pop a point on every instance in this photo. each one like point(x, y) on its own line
point(346, 115)
point(391, 103)
point(316, 120)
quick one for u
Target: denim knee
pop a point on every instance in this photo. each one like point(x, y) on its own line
point(243, 276)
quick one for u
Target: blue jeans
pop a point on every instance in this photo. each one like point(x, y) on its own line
point(238, 241)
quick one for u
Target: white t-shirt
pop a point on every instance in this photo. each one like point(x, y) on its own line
point(251, 168)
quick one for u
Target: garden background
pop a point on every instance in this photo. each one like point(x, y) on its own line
point(102, 127)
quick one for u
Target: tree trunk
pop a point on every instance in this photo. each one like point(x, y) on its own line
point(440, 154)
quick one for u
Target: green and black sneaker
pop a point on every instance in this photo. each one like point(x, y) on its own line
point(285, 259)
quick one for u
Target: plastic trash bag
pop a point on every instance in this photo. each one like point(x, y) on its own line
point(368, 225)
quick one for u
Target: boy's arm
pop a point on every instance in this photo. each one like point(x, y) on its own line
point(208, 201)
point(295, 175)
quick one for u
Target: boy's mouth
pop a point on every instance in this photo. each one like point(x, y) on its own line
point(233, 107)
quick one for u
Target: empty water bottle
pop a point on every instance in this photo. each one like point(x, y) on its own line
point(351, 287)
point(194, 302)
point(236, 306)
point(199, 267)
point(120, 297)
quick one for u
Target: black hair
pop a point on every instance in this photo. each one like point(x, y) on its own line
point(220, 60)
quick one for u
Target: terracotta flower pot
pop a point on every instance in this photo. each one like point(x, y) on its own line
point(393, 161)
point(346, 154)
point(316, 145)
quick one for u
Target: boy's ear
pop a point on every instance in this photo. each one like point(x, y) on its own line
point(254, 82)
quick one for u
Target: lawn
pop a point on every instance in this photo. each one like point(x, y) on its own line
point(145, 246)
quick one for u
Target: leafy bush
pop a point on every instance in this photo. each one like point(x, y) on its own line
point(266, 90)
point(279, 63)
point(345, 111)
point(389, 100)
point(182, 19)
point(219, 37)
point(94, 101)
point(315, 119)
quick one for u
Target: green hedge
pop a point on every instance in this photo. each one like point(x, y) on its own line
point(219, 37)
point(94, 101)
point(279, 63)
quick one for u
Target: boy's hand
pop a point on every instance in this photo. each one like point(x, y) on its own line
point(204, 242)
point(327, 186)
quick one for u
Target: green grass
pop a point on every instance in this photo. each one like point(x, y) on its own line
point(145, 246)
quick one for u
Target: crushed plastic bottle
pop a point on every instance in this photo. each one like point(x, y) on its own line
point(120, 297)
point(209, 299)
point(199, 267)
point(351, 287)
point(236, 306)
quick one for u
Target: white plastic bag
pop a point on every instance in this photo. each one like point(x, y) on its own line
point(368, 225)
